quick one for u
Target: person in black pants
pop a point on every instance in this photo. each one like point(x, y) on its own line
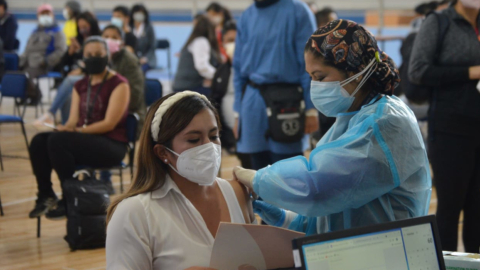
point(94, 135)
point(454, 117)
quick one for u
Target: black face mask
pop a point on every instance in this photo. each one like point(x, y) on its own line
point(95, 65)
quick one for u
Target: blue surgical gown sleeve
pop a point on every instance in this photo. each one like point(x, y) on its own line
point(306, 22)
point(239, 80)
point(349, 172)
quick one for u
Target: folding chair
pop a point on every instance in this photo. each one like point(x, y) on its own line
point(14, 85)
point(164, 44)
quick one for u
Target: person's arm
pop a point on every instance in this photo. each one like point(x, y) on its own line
point(74, 112)
point(10, 34)
point(60, 48)
point(117, 105)
point(244, 200)
point(343, 174)
point(239, 79)
point(130, 69)
point(305, 22)
point(423, 69)
point(128, 238)
point(200, 49)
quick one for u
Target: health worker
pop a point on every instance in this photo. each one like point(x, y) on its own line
point(371, 166)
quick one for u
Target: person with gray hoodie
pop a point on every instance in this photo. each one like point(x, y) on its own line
point(44, 49)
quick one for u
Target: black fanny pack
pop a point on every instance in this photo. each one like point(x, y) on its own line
point(285, 110)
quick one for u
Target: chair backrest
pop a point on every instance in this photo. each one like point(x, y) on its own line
point(11, 61)
point(153, 91)
point(14, 84)
point(132, 124)
point(163, 44)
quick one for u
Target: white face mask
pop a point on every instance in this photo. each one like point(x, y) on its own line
point(199, 164)
point(230, 49)
point(66, 14)
point(331, 98)
point(117, 22)
point(139, 17)
point(473, 4)
point(45, 20)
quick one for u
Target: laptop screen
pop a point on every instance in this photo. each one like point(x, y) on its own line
point(411, 248)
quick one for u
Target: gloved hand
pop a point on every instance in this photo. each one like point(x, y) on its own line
point(244, 176)
point(272, 215)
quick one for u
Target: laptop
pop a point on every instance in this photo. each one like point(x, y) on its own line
point(411, 244)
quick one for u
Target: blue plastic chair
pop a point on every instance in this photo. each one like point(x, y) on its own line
point(153, 91)
point(11, 119)
point(14, 85)
point(11, 61)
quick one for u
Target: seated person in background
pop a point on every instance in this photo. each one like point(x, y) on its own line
point(145, 34)
point(8, 28)
point(73, 67)
point(169, 217)
point(94, 135)
point(198, 58)
point(121, 18)
point(44, 50)
point(72, 9)
point(126, 64)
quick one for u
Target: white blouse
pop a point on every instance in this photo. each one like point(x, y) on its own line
point(201, 51)
point(163, 230)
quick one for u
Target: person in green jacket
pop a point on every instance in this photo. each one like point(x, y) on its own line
point(127, 65)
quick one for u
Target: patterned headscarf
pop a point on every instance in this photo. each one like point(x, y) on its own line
point(351, 47)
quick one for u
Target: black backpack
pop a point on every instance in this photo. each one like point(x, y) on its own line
point(87, 201)
point(419, 94)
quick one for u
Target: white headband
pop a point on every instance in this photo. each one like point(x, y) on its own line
point(163, 108)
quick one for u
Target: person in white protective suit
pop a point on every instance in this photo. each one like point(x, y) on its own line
point(370, 167)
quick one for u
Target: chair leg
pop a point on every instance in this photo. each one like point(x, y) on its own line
point(38, 227)
point(121, 180)
point(25, 135)
point(1, 208)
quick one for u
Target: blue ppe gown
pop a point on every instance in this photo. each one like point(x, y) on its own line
point(269, 48)
point(370, 167)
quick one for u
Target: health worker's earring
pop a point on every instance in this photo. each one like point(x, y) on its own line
point(166, 161)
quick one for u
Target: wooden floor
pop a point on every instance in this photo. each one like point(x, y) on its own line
point(19, 246)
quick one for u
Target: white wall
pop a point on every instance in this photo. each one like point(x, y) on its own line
point(201, 4)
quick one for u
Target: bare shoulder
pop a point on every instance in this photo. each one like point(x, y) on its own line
point(243, 198)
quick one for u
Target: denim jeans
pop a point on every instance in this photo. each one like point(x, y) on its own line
point(64, 94)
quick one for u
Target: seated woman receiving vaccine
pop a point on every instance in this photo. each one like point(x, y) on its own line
point(169, 217)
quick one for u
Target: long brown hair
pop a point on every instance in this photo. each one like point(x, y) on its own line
point(151, 172)
point(204, 28)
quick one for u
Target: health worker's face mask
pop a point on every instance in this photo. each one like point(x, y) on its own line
point(199, 164)
point(330, 98)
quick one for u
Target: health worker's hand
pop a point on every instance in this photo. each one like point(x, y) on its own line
point(272, 215)
point(244, 176)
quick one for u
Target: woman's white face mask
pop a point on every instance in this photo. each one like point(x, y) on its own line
point(199, 164)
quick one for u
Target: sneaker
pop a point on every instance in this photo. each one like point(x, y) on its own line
point(46, 118)
point(59, 212)
point(42, 206)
